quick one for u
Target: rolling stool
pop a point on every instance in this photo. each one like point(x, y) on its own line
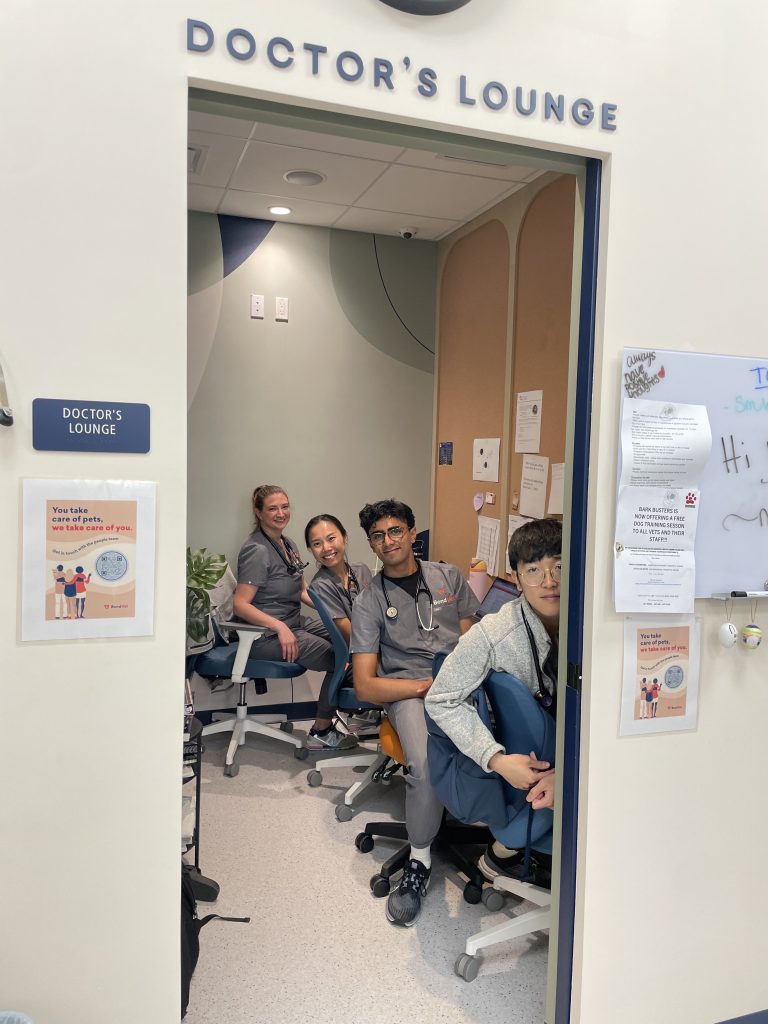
point(451, 836)
point(214, 663)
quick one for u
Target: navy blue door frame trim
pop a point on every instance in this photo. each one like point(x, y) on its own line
point(761, 1017)
point(576, 576)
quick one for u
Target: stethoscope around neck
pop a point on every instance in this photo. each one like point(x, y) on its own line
point(289, 555)
point(421, 588)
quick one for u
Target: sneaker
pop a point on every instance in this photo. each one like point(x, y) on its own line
point(331, 739)
point(364, 723)
point(490, 864)
point(404, 902)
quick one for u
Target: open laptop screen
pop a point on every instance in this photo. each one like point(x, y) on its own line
point(498, 594)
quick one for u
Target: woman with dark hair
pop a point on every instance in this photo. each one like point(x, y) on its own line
point(337, 582)
point(270, 590)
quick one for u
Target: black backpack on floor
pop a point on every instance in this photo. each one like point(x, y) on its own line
point(190, 934)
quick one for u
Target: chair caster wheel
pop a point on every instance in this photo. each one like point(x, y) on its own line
point(364, 842)
point(379, 886)
point(315, 778)
point(493, 899)
point(286, 727)
point(467, 966)
point(344, 813)
point(231, 770)
point(300, 753)
point(472, 893)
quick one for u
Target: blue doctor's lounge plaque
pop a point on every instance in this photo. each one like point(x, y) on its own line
point(75, 426)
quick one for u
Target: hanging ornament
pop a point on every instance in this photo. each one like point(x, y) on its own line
point(751, 634)
point(728, 634)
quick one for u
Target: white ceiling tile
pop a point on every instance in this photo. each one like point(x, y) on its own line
point(301, 139)
point(203, 198)
point(415, 190)
point(218, 124)
point(221, 153)
point(304, 211)
point(474, 168)
point(382, 223)
point(264, 164)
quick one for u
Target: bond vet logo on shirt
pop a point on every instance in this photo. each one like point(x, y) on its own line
point(426, 6)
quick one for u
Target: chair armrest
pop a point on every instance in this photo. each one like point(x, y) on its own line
point(247, 633)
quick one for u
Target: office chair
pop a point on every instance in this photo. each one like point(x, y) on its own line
point(343, 697)
point(232, 661)
point(521, 724)
point(451, 836)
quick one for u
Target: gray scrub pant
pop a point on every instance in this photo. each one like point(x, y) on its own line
point(315, 651)
point(423, 810)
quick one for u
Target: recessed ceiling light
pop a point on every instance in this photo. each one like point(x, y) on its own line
point(303, 177)
point(280, 211)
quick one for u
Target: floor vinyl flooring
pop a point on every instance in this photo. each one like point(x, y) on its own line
point(319, 947)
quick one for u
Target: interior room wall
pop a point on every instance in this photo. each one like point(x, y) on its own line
point(92, 289)
point(335, 405)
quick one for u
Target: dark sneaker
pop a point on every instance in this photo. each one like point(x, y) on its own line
point(404, 902)
point(331, 739)
point(490, 864)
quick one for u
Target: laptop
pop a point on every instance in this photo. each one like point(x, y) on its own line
point(498, 594)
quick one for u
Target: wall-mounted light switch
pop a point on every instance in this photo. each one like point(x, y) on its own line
point(281, 309)
point(257, 307)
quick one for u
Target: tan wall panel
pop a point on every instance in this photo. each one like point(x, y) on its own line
point(542, 319)
point(474, 296)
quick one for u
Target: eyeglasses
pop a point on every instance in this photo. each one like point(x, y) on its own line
point(394, 533)
point(534, 574)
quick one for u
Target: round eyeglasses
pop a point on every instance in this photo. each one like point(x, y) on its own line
point(394, 533)
point(534, 575)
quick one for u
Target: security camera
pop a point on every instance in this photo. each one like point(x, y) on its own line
point(407, 233)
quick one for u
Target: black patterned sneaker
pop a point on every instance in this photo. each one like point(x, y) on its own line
point(330, 739)
point(491, 864)
point(404, 902)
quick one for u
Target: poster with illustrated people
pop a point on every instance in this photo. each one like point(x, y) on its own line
point(89, 559)
point(660, 691)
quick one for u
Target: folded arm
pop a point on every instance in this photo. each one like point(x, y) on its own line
point(383, 689)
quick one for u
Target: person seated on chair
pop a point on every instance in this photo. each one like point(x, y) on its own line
point(411, 611)
point(336, 582)
point(520, 639)
point(270, 590)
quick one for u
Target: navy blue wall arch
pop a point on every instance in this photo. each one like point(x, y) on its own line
point(240, 236)
point(426, 6)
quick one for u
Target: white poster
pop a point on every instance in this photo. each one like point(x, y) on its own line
point(88, 559)
point(485, 459)
point(660, 689)
point(533, 486)
point(528, 422)
point(488, 543)
point(555, 506)
point(663, 444)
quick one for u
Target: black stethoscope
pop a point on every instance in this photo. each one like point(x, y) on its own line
point(290, 558)
point(421, 588)
point(544, 697)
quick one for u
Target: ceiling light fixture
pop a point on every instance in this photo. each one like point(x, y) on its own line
point(303, 177)
point(280, 211)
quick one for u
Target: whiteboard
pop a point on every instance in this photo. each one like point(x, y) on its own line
point(732, 536)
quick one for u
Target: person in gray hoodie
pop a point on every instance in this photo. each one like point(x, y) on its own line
point(520, 639)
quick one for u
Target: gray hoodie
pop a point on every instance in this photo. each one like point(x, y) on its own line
point(499, 642)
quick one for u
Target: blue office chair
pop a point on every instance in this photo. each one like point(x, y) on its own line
point(521, 725)
point(341, 695)
point(233, 661)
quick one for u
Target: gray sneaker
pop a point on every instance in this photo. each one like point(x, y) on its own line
point(404, 902)
point(331, 739)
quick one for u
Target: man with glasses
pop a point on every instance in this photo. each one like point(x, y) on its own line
point(411, 611)
point(520, 639)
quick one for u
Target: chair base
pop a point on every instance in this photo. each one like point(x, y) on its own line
point(240, 724)
point(451, 836)
point(468, 963)
point(372, 761)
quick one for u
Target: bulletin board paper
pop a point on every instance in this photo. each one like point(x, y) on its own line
point(485, 459)
point(533, 486)
point(528, 422)
point(660, 688)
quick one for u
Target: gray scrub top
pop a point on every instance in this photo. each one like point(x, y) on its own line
point(327, 586)
point(407, 650)
point(279, 592)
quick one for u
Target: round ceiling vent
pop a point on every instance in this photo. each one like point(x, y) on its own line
point(303, 177)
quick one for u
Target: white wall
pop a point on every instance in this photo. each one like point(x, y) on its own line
point(93, 306)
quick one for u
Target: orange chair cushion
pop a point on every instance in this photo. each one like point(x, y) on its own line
point(389, 742)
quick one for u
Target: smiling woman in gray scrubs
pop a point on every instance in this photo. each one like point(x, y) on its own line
point(270, 590)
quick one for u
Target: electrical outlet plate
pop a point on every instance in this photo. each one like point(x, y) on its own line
point(257, 307)
point(281, 309)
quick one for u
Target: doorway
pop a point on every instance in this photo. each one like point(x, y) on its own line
point(458, 153)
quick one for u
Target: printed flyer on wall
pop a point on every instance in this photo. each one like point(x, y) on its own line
point(660, 691)
point(89, 559)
